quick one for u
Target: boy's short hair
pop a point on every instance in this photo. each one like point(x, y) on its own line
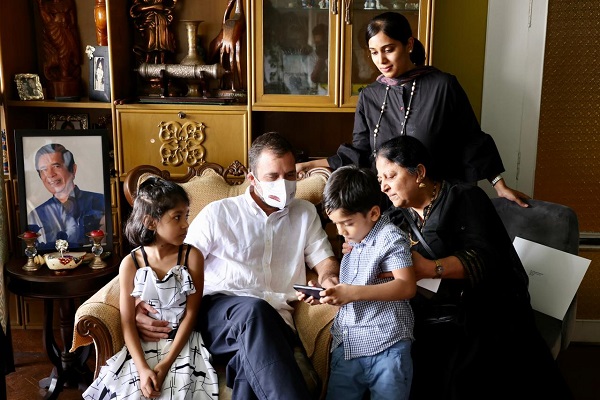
point(351, 189)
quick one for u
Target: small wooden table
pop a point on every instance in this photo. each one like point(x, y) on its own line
point(63, 286)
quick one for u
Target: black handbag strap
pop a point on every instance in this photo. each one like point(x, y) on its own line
point(417, 232)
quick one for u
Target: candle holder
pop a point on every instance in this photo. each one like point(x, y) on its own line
point(97, 250)
point(30, 250)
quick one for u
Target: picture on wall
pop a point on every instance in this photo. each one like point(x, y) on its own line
point(64, 186)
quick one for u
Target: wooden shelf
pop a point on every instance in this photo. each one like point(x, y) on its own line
point(84, 103)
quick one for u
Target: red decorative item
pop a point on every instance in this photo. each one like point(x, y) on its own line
point(97, 233)
point(30, 237)
point(96, 236)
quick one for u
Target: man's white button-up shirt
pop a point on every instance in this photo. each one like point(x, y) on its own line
point(248, 253)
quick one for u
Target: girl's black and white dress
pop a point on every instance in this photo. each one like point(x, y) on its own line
point(191, 375)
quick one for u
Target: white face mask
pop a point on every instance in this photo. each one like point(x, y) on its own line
point(279, 193)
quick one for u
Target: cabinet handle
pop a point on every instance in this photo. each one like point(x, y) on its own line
point(347, 10)
point(181, 114)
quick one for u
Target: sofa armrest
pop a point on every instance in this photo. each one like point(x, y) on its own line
point(313, 324)
point(98, 321)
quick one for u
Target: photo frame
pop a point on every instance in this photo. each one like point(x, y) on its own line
point(64, 186)
point(68, 121)
point(99, 77)
point(29, 87)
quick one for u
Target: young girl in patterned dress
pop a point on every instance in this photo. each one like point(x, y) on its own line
point(169, 275)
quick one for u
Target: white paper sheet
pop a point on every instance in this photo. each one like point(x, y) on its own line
point(429, 284)
point(554, 276)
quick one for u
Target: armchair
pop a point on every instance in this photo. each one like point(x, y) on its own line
point(552, 225)
point(97, 320)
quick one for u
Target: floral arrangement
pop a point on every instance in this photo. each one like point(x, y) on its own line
point(62, 246)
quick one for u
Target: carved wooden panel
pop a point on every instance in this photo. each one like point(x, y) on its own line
point(568, 158)
point(182, 143)
point(174, 138)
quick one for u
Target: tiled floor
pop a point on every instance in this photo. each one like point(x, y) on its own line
point(580, 365)
point(32, 365)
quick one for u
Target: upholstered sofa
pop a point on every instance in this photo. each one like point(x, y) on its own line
point(97, 320)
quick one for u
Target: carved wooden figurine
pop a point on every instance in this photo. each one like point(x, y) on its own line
point(100, 22)
point(228, 41)
point(152, 18)
point(62, 54)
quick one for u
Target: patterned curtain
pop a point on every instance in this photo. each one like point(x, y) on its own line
point(3, 253)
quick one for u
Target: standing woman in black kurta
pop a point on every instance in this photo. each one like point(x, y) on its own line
point(420, 101)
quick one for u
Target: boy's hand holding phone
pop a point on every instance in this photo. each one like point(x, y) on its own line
point(308, 293)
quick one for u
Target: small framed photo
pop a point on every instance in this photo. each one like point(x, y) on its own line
point(64, 186)
point(68, 121)
point(99, 73)
point(29, 87)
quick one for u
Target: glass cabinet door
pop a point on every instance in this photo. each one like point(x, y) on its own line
point(296, 53)
point(359, 71)
point(312, 53)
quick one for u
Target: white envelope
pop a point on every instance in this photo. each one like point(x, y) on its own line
point(554, 276)
point(429, 284)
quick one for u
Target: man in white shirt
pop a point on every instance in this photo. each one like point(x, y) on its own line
point(256, 247)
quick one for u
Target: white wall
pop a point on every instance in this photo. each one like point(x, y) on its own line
point(512, 85)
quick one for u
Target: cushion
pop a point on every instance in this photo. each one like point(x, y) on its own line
point(208, 187)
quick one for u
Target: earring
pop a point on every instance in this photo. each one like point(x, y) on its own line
point(421, 185)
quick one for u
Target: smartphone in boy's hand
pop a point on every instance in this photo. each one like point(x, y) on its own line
point(309, 290)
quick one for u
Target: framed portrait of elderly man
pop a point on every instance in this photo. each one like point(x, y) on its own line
point(64, 186)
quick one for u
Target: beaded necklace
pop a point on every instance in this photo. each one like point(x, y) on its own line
point(426, 214)
point(383, 106)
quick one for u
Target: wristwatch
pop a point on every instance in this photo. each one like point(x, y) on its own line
point(496, 180)
point(439, 269)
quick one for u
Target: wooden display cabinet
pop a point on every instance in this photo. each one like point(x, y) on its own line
point(310, 63)
point(312, 54)
point(21, 52)
point(132, 123)
point(133, 127)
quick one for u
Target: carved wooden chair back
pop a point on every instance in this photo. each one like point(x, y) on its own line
point(234, 174)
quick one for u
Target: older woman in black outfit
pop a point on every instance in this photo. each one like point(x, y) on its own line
point(421, 101)
point(475, 337)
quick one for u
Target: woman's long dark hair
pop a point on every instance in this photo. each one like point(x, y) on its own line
point(397, 27)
